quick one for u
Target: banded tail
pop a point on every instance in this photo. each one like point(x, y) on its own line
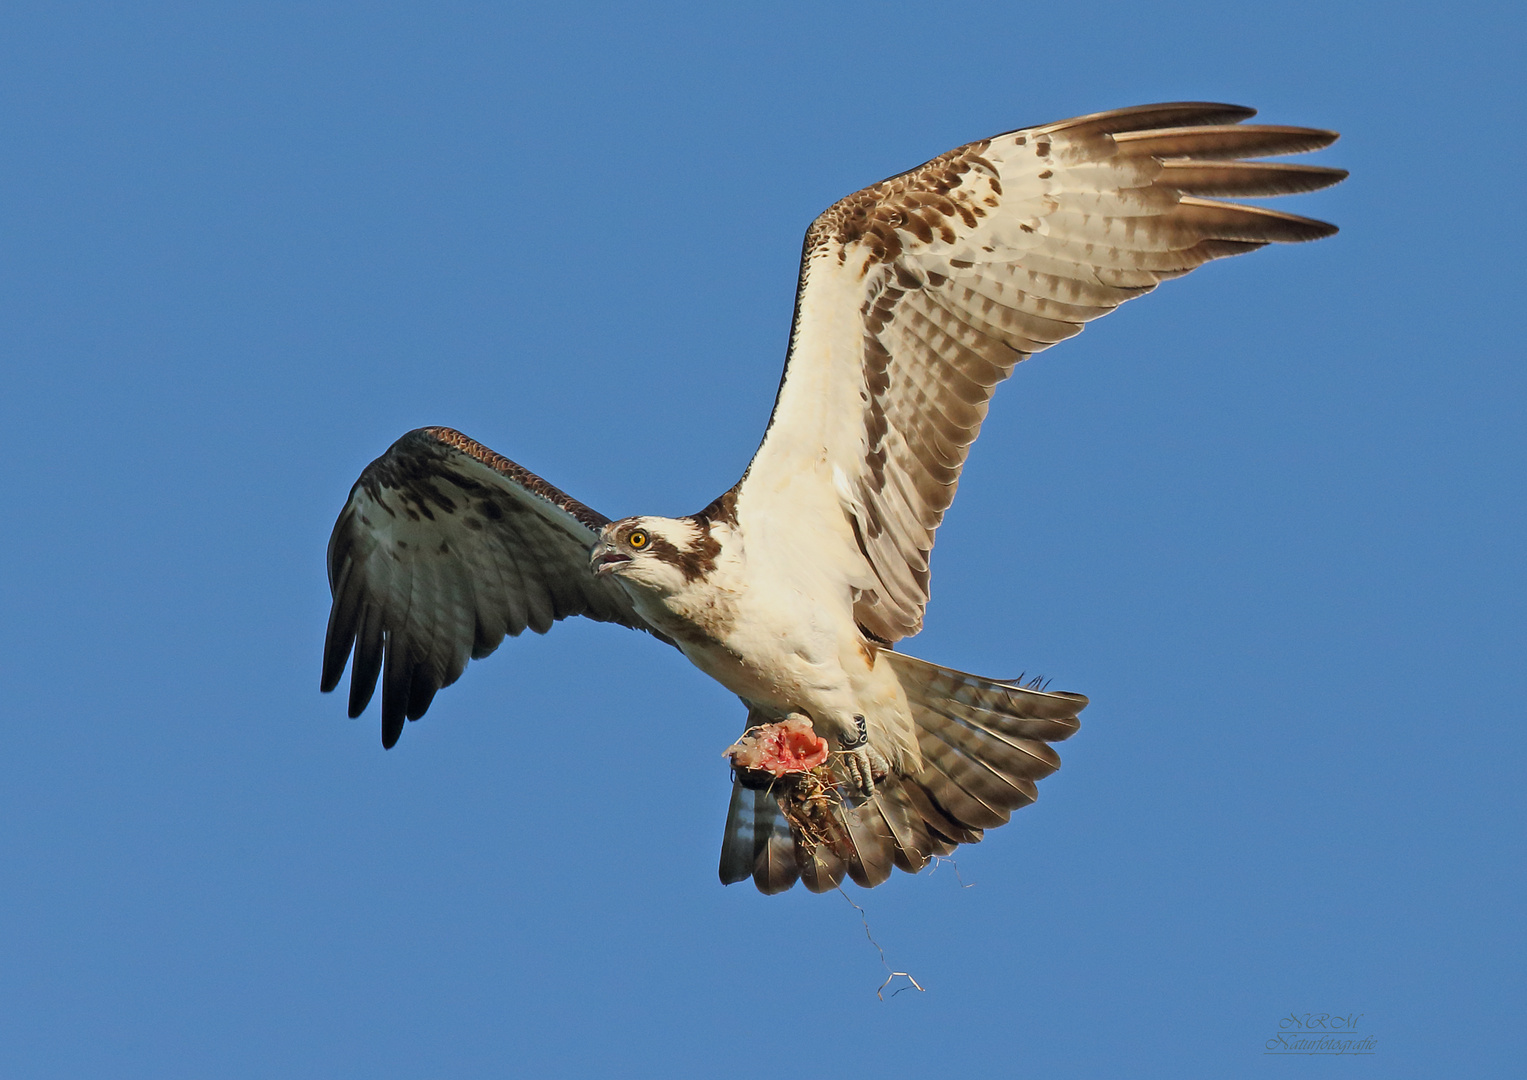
point(984, 743)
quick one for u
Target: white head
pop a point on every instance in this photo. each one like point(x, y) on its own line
point(660, 554)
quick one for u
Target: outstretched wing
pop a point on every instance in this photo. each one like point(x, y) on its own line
point(919, 294)
point(443, 548)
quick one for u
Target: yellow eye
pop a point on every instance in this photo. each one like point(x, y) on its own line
point(637, 540)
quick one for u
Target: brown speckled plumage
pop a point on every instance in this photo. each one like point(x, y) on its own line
point(477, 548)
point(1109, 204)
point(521, 476)
point(957, 187)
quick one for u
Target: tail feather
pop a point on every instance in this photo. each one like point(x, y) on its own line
point(870, 845)
point(946, 830)
point(1011, 754)
point(960, 786)
point(737, 845)
point(774, 868)
point(1003, 773)
point(911, 846)
point(821, 868)
point(757, 844)
point(777, 869)
point(993, 704)
point(983, 743)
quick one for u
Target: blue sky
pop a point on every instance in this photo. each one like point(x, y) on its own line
point(1269, 518)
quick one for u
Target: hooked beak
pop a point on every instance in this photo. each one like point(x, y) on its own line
point(604, 558)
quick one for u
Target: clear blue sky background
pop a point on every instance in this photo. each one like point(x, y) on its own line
point(1270, 519)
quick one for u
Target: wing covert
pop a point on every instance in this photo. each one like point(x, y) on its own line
point(443, 548)
point(920, 294)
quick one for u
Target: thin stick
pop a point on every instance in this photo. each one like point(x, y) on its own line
point(940, 860)
point(890, 975)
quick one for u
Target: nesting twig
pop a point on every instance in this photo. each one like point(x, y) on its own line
point(809, 805)
point(890, 975)
point(939, 860)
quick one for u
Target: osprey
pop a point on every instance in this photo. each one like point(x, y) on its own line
point(916, 297)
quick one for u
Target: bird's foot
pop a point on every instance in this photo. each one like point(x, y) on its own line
point(856, 761)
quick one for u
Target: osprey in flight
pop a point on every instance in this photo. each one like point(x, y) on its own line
point(917, 296)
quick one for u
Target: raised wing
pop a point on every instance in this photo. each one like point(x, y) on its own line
point(443, 548)
point(919, 294)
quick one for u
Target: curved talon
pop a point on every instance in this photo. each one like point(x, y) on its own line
point(860, 770)
point(858, 765)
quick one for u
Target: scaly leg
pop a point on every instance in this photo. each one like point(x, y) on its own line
point(857, 761)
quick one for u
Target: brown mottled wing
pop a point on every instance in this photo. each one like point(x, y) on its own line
point(919, 294)
point(442, 549)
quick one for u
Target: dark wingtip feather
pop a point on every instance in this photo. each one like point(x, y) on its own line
point(1223, 141)
point(337, 643)
point(1320, 138)
point(370, 641)
point(1246, 178)
point(1145, 117)
point(397, 688)
point(421, 692)
point(1257, 224)
point(334, 660)
point(344, 614)
point(363, 674)
point(393, 714)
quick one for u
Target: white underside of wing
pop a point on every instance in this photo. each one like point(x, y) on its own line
point(795, 507)
point(918, 295)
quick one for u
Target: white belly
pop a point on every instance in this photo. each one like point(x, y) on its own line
point(785, 656)
point(775, 655)
point(779, 632)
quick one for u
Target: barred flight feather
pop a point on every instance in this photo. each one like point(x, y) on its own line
point(966, 265)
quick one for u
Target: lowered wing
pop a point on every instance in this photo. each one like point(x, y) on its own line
point(442, 549)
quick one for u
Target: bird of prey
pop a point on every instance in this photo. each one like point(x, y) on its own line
point(916, 297)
